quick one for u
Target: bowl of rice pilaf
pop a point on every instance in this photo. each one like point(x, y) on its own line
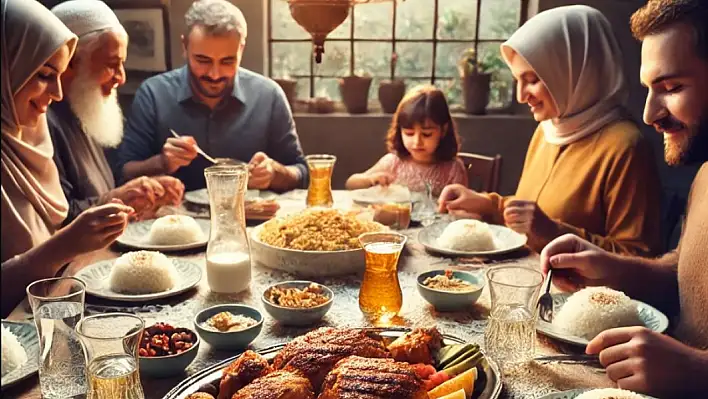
point(314, 242)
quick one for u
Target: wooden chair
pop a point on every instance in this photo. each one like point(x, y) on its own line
point(482, 171)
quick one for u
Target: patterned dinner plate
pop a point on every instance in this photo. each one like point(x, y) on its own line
point(201, 197)
point(96, 277)
point(574, 393)
point(505, 240)
point(652, 318)
point(137, 235)
point(26, 334)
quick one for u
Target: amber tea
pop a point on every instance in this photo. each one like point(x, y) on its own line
point(319, 193)
point(380, 296)
point(114, 376)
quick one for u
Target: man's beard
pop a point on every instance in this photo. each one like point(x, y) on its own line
point(199, 83)
point(690, 148)
point(101, 117)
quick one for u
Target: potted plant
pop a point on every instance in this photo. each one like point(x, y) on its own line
point(355, 92)
point(391, 91)
point(476, 80)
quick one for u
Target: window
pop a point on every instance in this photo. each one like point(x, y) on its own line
point(427, 36)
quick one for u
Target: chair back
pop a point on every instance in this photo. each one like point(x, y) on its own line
point(482, 171)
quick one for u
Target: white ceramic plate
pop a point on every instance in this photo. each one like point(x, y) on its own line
point(505, 240)
point(201, 197)
point(95, 277)
point(379, 194)
point(650, 316)
point(572, 394)
point(27, 335)
point(136, 236)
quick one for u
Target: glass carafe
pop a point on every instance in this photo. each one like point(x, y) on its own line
point(111, 341)
point(380, 296)
point(319, 192)
point(228, 256)
point(510, 336)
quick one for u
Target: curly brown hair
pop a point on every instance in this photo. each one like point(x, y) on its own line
point(658, 15)
point(421, 104)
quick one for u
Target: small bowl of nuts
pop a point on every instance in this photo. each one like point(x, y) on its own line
point(165, 351)
point(229, 326)
point(297, 303)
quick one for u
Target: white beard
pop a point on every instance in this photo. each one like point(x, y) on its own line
point(101, 117)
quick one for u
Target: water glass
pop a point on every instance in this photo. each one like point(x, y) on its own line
point(58, 305)
point(319, 193)
point(510, 336)
point(380, 296)
point(111, 342)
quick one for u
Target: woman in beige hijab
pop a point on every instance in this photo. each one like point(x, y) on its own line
point(36, 48)
point(588, 170)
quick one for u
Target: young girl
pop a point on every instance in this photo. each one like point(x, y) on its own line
point(422, 146)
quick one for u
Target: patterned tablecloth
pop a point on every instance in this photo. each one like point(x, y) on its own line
point(524, 381)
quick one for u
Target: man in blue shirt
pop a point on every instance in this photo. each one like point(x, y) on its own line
point(225, 110)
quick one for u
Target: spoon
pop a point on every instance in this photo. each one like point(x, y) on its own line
point(199, 150)
point(545, 303)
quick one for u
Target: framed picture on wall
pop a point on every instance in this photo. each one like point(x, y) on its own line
point(147, 24)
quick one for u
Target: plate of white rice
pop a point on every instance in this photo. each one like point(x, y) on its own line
point(579, 317)
point(468, 237)
point(166, 234)
point(140, 276)
point(599, 393)
point(20, 352)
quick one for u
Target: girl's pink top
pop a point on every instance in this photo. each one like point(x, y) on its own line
point(415, 175)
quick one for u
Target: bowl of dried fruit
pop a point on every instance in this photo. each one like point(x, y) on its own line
point(166, 351)
point(297, 303)
point(229, 326)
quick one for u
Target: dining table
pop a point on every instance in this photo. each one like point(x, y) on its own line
point(527, 380)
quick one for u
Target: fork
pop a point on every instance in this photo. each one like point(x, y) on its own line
point(588, 360)
point(199, 150)
point(545, 302)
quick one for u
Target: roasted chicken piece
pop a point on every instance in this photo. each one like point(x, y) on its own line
point(315, 354)
point(277, 385)
point(363, 378)
point(242, 372)
point(418, 346)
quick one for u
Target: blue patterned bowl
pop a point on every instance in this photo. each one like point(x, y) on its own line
point(297, 316)
point(449, 301)
point(230, 340)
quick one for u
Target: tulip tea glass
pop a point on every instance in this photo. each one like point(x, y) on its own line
point(380, 296)
point(319, 193)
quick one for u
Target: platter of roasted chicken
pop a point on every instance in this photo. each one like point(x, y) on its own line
point(347, 363)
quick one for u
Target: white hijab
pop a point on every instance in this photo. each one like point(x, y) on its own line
point(575, 53)
point(33, 203)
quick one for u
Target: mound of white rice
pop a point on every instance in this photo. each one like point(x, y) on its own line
point(609, 393)
point(593, 310)
point(467, 235)
point(13, 354)
point(142, 272)
point(175, 230)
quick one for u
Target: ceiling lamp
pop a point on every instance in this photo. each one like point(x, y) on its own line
point(320, 17)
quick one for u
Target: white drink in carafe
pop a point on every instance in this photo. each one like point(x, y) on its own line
point(228, 272)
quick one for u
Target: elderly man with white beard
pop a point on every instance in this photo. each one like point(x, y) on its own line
point(89, 121)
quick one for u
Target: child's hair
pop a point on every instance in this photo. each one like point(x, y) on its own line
point(420, 104)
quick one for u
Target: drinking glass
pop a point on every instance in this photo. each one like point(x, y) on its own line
point(111, 342)
point(380, 296)
point(396, 215)
point(58, 305)
point(319, 193)
point(510, 336)
point(228, 255)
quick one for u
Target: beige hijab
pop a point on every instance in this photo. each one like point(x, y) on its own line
point(33, 203)
point(575, 53)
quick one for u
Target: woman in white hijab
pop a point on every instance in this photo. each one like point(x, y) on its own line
point(588, 170)
point(36, 48)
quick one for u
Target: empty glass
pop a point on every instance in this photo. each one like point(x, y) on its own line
point(510, 336)
point(319, 193)
point(380, 296)
point(58, 305)
point(111, 343)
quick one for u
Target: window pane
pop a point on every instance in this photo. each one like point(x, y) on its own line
point(452, 89)
point(373, 21)
point(335, 60)
point(415, 19)
point(283, 24)
point(414, 59)
point(287, 59)
point(327, 87)
point(303, 88)
point(502, 80)
point(372, 58)
point(374, 93)
point(457, 19)
point(499, 19)
point(343, 31)
point(446, 58)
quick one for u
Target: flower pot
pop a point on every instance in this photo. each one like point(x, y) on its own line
point(390, 94)
point(475, 91)
point(355, 93)
point(289, 86)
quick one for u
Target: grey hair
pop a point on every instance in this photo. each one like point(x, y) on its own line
point(89, 42)
point(218, 17)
